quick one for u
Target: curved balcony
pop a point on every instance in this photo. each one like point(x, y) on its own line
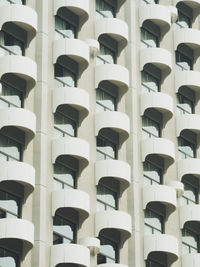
point(189, 213)
point(23, 67)
point(112, 265)
point(192, 260)
point(187, 36)
point(188, 166)
point(190, 79)
point(113, 73)
point(73, 96)
point(75, 49)
point(71, 198)
point(21, 15)
point(160, 101)
point(92, 243)
point(188, 122)
point(20, 118)
point(161, 243)
point(21, 231)
point(159, 193)
point(115, 28)
point(159, 146)
point(158, 14)
point(115, 169)
point(159, 57)
point(193, 4)
point(78, 7)
point(19, 172)
point(114, 220)
point(74, 254)
point(117, 121)
point(71, 146)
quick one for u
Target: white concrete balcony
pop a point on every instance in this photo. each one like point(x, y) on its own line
point(159, 101)
point(78, 7)
point(188, 122)
point(74, 97)
point(71, 146)
point(115, 28)
point(192, 260)
point(189, 213)
point(159, 193)
point(75, 254)
point(113, 169)
point(190, 79)
point(20, 118)
point(161, 243)
point(21, 15)
point(20, 230)
point(113, 73)
point(159, 57)
point(117, 121)
point(114, 220)
point(21, 66)
point(193, 4)
point(75, 199)
point(158, 14)
point(112, 265)
point(188, 166)
point(19, 172)
point(159, 146)
point(187, 36)
point(75, 49)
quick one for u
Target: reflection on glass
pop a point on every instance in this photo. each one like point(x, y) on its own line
point(11, 97)
point(105, 149)
point(8, 259)
point(9, 149)
point(190, 195)
point(64, 29)
point(64, 177)
point(150, 128)
point(63, 125)
point(153, 222)
point(106, 198)
point(148, 39)
point(184, 105)
point(9, 205)
point(183, 62)
point(104, 10)
point(149, 83)
point(190, 241)
point(183, 21)
point(152, 174)
point(63, 230)
point(105, 101)
point(106, 56)
point(108, 251)
point(63, 77)
point(186, 149)
point(10, 45)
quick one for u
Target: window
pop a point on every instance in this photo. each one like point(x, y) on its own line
point(10, 205)
point(10, 149)
point(186, 149)
point(150, 128)
point(10, 45)
point(64, 231)
point(152, 263)
point(63, 76)
point(183, 21)
point(152, 174)
point(106, 198)
point(149, 1)
point(19, 2)
point(183, 62)
point(109, 251)
point(150, 83)
point(190, 241)
point(104, 9)
point(11, 96)
point(190, 195)
point(63, 125)
point(8, 258)
point(154, 222)
point(64, 177)
point(185, 105)
point(105, 101)
point(148, 39)
point(64, 29)
point(106, 56)
point(106, 149)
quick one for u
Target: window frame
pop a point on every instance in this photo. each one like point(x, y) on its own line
point(158, 170)
point(102, 94)
point(105, 4)
point(112, 243)
point(10, 52)
point(181, 99)
point(191, 144)
point(17, 257)
point(73, 75)
point(154, 230)
point(191, 233)
point(152, 122)
point(113, 54)
point(106, 141)
point(181, 56)
point(194, 190)
point(149, 77)
point(183, 14)
point(107, 206)
point(70, 23)
point(146, 31)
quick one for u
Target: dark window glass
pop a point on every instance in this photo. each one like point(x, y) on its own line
point(10, 149)
point(183, 62)
point(63, 125)
point(152, 174)
point(64, 231)
point(150, 83)
point(64, 29)
point(148, 39)
point(184, 105)
point(106, 198)
point(149, 1)
point(150, 128)
point(105, 101)
point(190, 241)
point(109, 252)
point(11, 96)
point(64, 177)
point(152, 263)
point(105, 149)
point(63, 76)
point(153, 222)
point(106, 56)
point(8, 258)
point(186, 149)
point(9, 44)
point(104, 10)
point(190, 195)
point(183, 21)
point(10, 205)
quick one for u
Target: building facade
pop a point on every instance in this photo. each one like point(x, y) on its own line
point(99, 133)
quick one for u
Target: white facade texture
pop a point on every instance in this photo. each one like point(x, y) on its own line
point(99, 133)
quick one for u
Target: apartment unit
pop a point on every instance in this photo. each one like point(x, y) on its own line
point(99, 133)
